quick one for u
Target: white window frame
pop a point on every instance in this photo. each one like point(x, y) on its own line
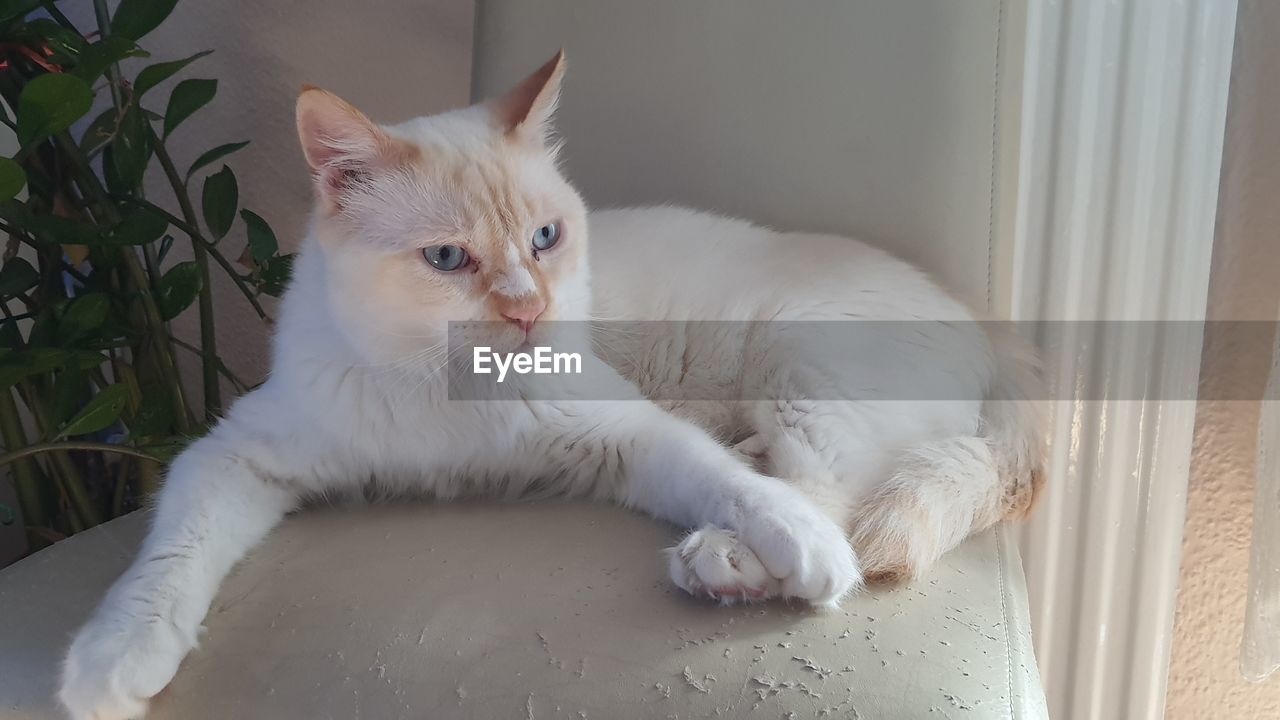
point(1111, 124)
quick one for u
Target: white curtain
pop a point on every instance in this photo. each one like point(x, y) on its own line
point(1260, 650)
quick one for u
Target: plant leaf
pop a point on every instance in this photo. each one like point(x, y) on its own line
point(14, 367)
point(64, 46)
point(136, 18)
point(10, 9)
point(12, 179)
point(131, 149)
point(44, 331)
point(153, 75)
point(17, 276)
point(137, 228)
point(69, 391)
point(178, 289)
point(275, 274)
point(187, 97)
point(85, 359)
point(97, 57)
point(219, 201)
point(50, 104)
point(262, 242)
point(10, 335)
point(84, 315)
point(99, 132)
point(214, 155)
point(99, 413)
point(155, 414)
point(50, 228)
point(111, 174)
point(166, 243)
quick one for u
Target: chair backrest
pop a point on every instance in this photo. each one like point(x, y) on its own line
point(869, 119)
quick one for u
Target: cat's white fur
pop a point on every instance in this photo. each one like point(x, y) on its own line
point(355, 403)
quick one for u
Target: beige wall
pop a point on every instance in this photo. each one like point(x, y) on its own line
point(866, 118)
point(1205, 680)
point(394, 59)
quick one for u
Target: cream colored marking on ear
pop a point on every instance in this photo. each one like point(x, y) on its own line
point(341, 144)
point(525, 111)
point(334, 133)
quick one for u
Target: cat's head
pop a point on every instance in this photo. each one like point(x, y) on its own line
point(458, 217)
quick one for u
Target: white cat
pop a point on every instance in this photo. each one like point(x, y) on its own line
point(464, 216)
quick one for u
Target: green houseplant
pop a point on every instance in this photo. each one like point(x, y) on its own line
point(91, 401)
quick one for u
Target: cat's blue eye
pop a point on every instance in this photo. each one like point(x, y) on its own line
point(446, 258)
point(546, 236)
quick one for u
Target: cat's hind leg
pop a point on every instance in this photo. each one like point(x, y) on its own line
point(903, 508)
point(819, 447)
point(940, 493)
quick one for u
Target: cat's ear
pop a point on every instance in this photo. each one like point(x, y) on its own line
point(343, 147)
point(524, 113)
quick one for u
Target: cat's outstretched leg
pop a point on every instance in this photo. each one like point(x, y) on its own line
point(757, 535)
point(215, 505)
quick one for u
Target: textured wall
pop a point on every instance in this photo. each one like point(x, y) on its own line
point(395, 59)
point(1205, 680)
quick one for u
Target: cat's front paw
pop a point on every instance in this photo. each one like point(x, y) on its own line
point(804, 549)
point(713, 563)
point(780, 547)
point(117, 664)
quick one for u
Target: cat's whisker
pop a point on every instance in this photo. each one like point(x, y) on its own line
point(453, 353)
point(388, 367)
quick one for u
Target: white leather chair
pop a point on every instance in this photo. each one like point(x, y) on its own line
point(551, 610)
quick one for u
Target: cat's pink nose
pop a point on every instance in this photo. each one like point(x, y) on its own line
point(526, 314)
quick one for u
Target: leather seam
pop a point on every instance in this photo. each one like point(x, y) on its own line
point(1004, 615)
point(995, 151)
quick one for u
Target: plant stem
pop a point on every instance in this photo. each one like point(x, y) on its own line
point(81, 503)
point(118, 492)
point(208, 338)
point(92, 190)
point(26, 474)
point(149, 478)
point(58, 447)
point(240, 385)
point(72, 481)
point(198, 238)
point(116, 83)
point(103, 17)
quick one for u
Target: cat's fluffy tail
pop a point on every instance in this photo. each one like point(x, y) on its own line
point(943, 491)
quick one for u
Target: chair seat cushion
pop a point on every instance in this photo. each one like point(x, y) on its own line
point(547, 610)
